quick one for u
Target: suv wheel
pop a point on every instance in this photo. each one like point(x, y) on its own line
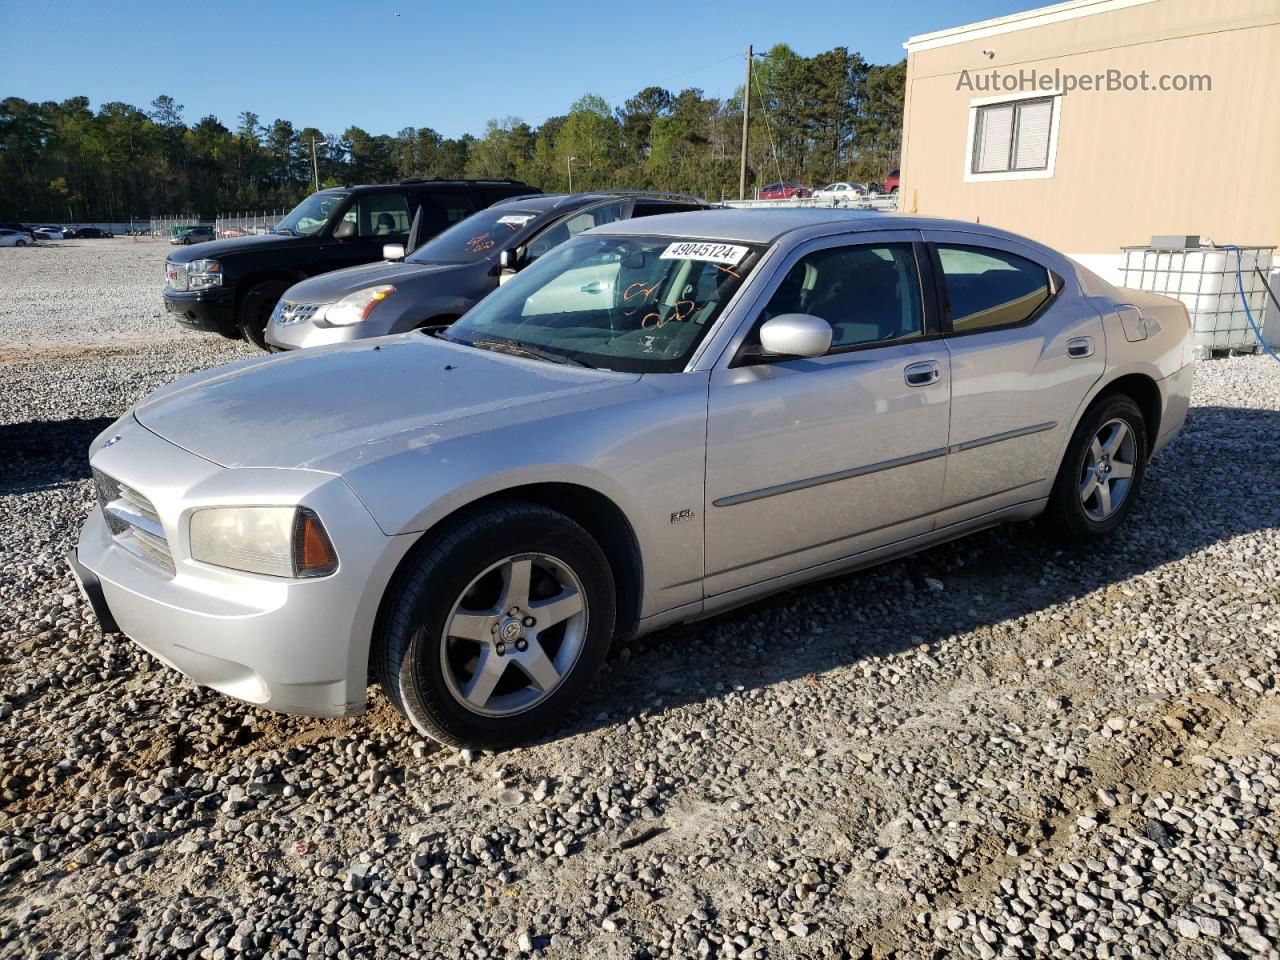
point(497, 627)
point(1101, 474)
point(255, 310)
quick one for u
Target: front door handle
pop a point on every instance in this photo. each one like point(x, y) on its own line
point(1080, 347)
point(922, 374)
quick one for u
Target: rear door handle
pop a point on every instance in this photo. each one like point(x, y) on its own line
point(1080, 347)
point(922, 374)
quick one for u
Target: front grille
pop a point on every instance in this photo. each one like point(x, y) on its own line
point(287, 313)
point(133, 521)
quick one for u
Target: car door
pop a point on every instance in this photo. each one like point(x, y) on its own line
point(1025, 349)
point(814, 460)
point(370, 221)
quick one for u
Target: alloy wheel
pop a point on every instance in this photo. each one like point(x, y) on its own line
point(1108, 470)
point(514, 634)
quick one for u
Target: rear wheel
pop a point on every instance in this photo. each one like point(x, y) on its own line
point(1102, 472)
point(497, 627)
point(255, 309)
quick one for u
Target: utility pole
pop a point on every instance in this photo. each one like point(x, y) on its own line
point(569, 164)
point(746, 117)
point(315, 165)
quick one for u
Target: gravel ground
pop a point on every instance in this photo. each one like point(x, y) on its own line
point(996, 748)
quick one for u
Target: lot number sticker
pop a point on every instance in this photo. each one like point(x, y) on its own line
point(516, 218)
point(711, 252)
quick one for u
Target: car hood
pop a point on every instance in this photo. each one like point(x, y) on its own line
point(211, 249)
point(335, 408)
point(328, 287)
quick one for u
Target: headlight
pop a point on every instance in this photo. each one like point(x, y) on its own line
point(355, 307)
point(276, 541)
point(204, 273)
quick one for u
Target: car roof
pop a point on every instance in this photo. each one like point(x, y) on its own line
point(767, 225)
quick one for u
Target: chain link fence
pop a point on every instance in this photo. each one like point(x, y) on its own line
point(246, 224)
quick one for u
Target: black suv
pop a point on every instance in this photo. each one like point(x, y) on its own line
point(231, 286)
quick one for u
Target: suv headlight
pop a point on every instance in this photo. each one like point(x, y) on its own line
point(204, 273)
point(275, 541)
point(356, 307)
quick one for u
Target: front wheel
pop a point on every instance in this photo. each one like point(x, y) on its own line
point(497, 627)
point(1102, 472)
point(255, 310)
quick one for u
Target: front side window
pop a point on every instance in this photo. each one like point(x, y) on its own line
point(379, 215)
point(640, 304)
point(990, 288)
point(309, 217)
point(1012, 136)
point(571, 226)
point(869, 294)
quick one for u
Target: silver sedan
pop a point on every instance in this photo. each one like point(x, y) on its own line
point(658, 420)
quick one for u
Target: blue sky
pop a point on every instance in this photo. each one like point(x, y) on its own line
point(449, 65)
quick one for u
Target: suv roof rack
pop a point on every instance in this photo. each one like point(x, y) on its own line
point(518, 183)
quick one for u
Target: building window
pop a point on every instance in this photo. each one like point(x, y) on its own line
point(1012, 137)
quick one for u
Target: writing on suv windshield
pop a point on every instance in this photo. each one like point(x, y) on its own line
point(478, 237)
point(310, 216)
point(639, 304)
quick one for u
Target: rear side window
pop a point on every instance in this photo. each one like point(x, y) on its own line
point(573, 225)
point(989, 288)
point(869, 294)
point(441, 209)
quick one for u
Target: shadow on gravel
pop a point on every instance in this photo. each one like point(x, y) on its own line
point(42, 454)
point(1215, 482)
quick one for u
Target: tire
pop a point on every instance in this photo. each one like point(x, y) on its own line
point(1079, 509)
point(20, 243)
point(255, 309)
point(463, 581)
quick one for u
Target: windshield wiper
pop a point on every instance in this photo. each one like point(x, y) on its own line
point(284, 230)
point(520, 348)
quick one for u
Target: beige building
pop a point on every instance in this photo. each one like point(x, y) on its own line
point(1094, 124)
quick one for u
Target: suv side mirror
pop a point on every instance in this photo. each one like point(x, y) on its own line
point(393, 251)
point(795, 335)
point(345, 230)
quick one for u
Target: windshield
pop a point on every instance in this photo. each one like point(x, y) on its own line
point(639, 304)
point(310, 216)
point(478, 237)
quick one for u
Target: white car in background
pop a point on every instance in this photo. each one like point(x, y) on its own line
point(841, 194)
point(14, 238)
point(49, 233)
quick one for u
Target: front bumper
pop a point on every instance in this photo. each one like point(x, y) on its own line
point(212, 309)
point(294, 336)
point(295, 646)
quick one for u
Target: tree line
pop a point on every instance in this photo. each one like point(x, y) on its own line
point(814, 119)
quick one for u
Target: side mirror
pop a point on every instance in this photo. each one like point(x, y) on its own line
point(508, 264)
point(345, 230)
point(795, 335)
point(393, 251)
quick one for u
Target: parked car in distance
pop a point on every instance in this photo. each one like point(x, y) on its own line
point(891, 182)
point(28, 232)
point(659, 419)
point(841, 193)
point(14, 238)
point(783, 191)
point(201, 233)
point(447, 276)
point(92, 233)
point(231, 286)
point(48, 233)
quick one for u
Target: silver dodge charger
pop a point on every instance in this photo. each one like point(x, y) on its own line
point(658, 420)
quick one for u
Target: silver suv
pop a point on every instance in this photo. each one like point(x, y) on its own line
point(659, 419)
